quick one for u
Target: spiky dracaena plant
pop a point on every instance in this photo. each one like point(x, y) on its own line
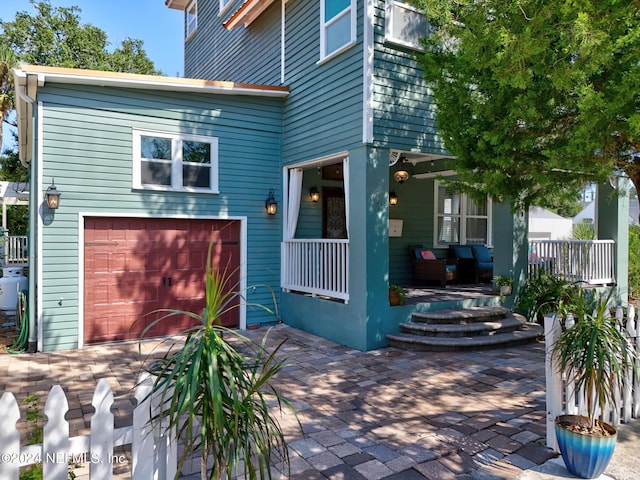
point(596, 352)
point(216, 399)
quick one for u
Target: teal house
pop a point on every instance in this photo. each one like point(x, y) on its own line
point(302, 140)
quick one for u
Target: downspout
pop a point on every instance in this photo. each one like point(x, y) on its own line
point(20, 90)
point(32, 342)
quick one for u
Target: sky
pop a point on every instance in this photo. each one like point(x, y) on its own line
point(159, 27)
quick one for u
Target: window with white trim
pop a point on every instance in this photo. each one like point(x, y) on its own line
point(404, 24)
point(337, 26)
point(224, 4)
point(459, 219)
point(175, 162)
point(191, 14)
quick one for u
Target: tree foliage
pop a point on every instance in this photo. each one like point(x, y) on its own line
point(55, 36)
point(536, 98)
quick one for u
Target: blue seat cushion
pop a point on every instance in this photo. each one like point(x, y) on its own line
point(450, 268)
point(485, 265)
point(481, 253)
point(463, 251)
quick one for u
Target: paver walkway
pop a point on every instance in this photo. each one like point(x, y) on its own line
point(384, 414)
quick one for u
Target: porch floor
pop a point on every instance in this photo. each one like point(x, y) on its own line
point(451, 293)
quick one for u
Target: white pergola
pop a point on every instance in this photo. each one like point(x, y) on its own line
point(12, 193)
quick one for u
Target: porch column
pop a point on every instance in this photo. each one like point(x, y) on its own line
point(510, 245)
point(612, 222)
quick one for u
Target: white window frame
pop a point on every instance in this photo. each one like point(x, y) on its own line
point(389, 34)
point(191, 25)
point(176, 162)
point(463, 216)
point(224, 5)
point(352, 11)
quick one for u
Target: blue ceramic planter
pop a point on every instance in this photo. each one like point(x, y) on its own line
point(584, 456)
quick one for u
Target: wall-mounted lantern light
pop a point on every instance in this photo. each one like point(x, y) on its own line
point(52, 196)
point(270, 204)
point(314, 194)
point(393, 198)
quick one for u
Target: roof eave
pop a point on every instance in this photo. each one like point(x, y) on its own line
point(150, 82)
point(247, 13)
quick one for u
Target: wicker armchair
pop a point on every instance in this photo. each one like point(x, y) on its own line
point(474, 261)
point(438, 270)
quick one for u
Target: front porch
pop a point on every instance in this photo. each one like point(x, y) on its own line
point(344, 243)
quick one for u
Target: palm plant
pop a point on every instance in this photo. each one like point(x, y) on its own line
point(216, 399)
point(596, 353)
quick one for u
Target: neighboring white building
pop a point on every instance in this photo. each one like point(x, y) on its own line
point(586, 215)
point(546, 225)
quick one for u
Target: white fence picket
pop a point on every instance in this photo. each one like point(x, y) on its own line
point(154, 454)
point(9, 437)
point(101, 467)
point(561, 394)
point(55, 443)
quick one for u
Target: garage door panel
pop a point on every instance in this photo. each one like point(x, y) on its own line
point(136, 266)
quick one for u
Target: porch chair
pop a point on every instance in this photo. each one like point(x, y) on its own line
point(475, 263)
point(428, 268)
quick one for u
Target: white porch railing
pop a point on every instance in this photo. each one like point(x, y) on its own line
point(15, 251)
point(152, 454)
point(586, 261)
point(319, 267)
point(562, 396)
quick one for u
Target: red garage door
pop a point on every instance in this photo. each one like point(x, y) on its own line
point(134, 266)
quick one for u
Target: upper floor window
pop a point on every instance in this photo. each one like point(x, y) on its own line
point(192, 18)
point(175, 162)
point(460, 219)
point(405, 24)
point(224, 4)
point(337, 26)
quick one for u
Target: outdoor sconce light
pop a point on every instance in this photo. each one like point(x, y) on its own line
point(52, 197)
point(314, 194)
point(271, 205)
point(393, 198)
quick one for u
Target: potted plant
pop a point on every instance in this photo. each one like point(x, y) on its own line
point(596, 354)
point(504, 284)
point(215, 390)
point(397, 295)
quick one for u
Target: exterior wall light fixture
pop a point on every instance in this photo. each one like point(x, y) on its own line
point(52, 196)
point(270, 204)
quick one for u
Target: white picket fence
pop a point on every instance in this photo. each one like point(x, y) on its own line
point(153, 455)
point(562, 396)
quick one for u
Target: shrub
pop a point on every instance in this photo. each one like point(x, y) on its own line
point(542, 294)
point(634, 262)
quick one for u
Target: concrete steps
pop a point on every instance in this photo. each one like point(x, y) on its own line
point(474, 328)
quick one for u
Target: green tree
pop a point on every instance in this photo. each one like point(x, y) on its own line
point(55, 36)
point(535, 98)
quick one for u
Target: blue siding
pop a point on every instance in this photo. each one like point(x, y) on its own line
point(404, 116)
point(249, 55)
point(323, 113)
point(87, 148)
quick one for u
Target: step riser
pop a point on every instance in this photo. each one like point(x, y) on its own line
point(406, 328)
point(456, 348)
point(462, 321)
point(462, 316)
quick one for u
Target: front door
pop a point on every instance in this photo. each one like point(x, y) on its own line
point(334, 220)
